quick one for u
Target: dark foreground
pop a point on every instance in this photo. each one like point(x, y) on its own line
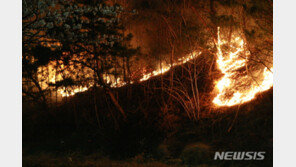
point(71, 134)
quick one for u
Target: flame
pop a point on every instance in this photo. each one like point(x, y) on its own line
point(119, 82)
point(233, 88)
point(66, 93)
point(166, 68)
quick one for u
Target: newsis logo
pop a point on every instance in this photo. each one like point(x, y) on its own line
point(235, 155)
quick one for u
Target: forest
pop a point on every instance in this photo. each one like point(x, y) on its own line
point(146, 82)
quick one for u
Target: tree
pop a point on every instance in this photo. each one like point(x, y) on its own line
point(92, 36)
point(36, 52)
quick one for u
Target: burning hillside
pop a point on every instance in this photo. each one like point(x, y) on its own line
point(163, 80)
point(237, 85)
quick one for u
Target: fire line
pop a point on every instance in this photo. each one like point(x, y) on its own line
point(229, 89)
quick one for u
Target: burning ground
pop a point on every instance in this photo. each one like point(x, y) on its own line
point(146, 83)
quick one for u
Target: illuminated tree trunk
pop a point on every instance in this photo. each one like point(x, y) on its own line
point(108, 91)
point(115, 102)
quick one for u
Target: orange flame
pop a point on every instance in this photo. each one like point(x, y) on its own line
point(166, 68)
point(119, 82)
point(67, 93)
point(233, 89)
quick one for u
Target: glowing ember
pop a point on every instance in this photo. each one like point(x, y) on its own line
point(233, 88)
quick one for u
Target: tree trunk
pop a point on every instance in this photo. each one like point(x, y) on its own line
point(115, 102)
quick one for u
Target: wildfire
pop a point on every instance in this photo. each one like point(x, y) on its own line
point(50, 75)
point(233, 88)
point(119, 82)
point(237, 85)
point(66, 93)
point(166, 68)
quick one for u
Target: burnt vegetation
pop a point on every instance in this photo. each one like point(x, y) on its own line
point(91, 96)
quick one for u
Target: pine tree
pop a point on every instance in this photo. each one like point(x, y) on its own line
point(92, 36)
